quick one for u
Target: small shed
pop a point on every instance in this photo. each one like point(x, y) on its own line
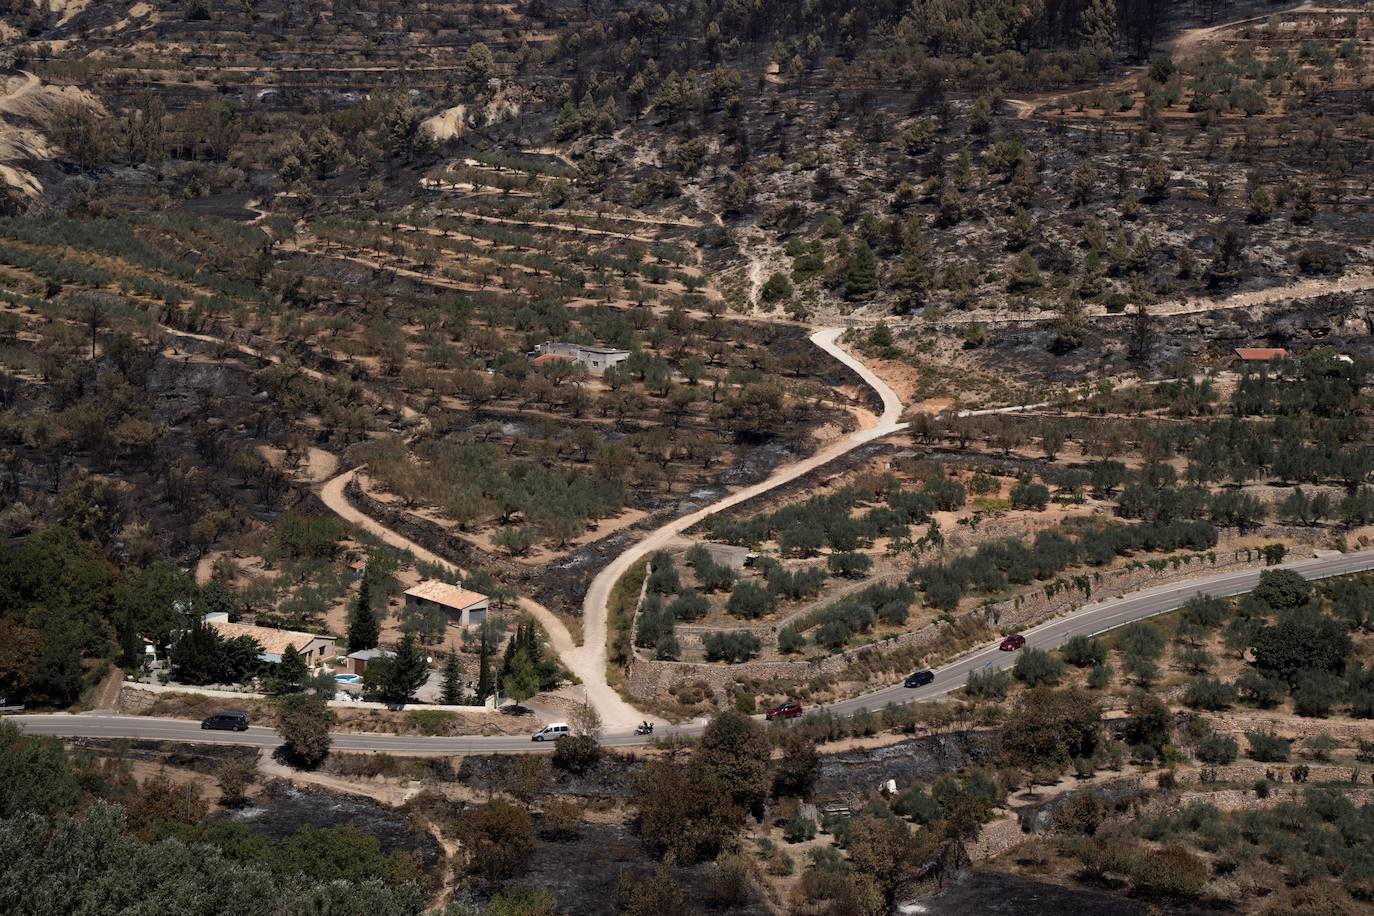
point(463, 607)
point(357, 661)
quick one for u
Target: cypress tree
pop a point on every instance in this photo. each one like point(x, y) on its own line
point(364, 629)
point(484, 676)
point(452, 690)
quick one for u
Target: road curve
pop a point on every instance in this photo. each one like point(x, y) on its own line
point(591, 655)
point(613, 709)
point(1091, 619)
point(588, 661)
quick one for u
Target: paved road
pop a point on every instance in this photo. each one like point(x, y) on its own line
point(1098, 618)
point(1092, 619)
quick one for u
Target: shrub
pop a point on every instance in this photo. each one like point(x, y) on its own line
point(1316, 692)
point(664, 578)
point(1035, 667)
point(497, 838)
point(1172, 871)
point(1084, 651)
point(1100, 676)
point(751, 601)
point(1208, 693)
point(790, 642)
point(799, 829)
point(917, 804)
point(576, 753)
point(1258, 690)
point(734, 646)
point(989, 684)
point(849, 565)
point(689, 605)
point(1267, 747)
point(1028, 495)
point(1217, 749)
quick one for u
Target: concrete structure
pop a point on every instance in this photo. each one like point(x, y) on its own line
point(463, 607)
point(597, 359)
point(315, 648)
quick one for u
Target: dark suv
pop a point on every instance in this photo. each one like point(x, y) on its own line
point(789, 710)
point(919, 678)
point(227, 722)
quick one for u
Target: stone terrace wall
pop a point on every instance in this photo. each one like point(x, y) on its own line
point(650, 677)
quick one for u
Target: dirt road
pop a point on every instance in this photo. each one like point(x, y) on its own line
point(1186, 41)
point(588, 661)
point(591, 655)
point(614, 711)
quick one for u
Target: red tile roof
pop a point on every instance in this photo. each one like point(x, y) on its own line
point(1261, 354)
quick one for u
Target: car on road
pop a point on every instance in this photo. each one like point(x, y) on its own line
point(226, 722)
point(552, 732)
point(1012, 642)
point(919, 678)
point(789, 710)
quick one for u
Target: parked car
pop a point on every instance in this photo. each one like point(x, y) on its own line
point(1012, 642)
point(552, 732)
point(227, 722)
point(789, 710)
point(919, 678)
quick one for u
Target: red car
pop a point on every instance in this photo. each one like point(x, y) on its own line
point(788, 710)
point(1012, 642)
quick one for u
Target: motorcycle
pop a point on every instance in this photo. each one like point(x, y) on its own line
point(645, 728)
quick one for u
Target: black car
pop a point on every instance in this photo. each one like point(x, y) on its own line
point(919, 678)
point(227, 722)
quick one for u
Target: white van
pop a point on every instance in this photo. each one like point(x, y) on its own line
point(551, 732)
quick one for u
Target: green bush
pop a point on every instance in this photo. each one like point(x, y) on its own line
point(1208, 693)
point(733, 646)
point(1217, 749)
point(1267, 747)
point(576, 753)
point(1035, 667)
point(1084, 651)
point(751, 601)
point(799, 829)
point(988, 684)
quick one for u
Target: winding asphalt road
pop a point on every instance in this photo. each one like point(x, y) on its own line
point(1091, 619)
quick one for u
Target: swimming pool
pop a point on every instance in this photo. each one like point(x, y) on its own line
point(348, 679)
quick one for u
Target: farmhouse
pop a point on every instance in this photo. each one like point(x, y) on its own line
point(597, 359)
point(463, 607)
point(313, 647)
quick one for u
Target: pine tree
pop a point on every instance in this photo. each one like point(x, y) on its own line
point(1099, 28)
point(861, 276)
point(291, 671)
point(364, 629)
point(521, 681)
point(452, 690)
point(406, 672)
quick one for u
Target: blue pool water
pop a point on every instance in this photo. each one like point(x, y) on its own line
point(348, 678)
